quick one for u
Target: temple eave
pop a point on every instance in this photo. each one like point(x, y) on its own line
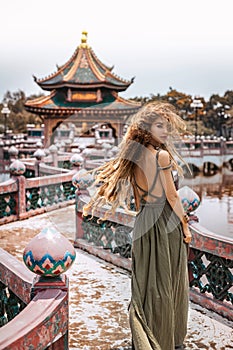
point(82, 86)
point(70, 111)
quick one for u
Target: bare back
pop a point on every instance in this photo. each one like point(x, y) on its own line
point(147, 184)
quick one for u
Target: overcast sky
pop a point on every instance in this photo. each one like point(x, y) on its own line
point(186, 45)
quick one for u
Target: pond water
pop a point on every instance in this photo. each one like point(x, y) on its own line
point(216, 193)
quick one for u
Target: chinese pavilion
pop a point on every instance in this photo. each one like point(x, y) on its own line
point(83, 90)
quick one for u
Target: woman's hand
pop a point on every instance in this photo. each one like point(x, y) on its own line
point(187, 234)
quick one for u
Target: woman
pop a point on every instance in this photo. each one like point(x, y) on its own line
point(159, 303)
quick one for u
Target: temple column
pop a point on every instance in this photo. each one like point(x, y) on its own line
point(47, 132)
point(49, 129)
point(118, 126)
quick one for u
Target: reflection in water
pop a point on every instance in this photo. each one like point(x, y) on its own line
point(216, 209)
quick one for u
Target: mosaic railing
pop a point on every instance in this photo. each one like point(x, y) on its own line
point(29, 173)
point(10, 305)
point(51, 170)
point(45, 168)
point(216, 271)
point(211, 270)
point(210, 258)
point(109, 235)
point(65, 164)
point(15, 284)
point(49, 191)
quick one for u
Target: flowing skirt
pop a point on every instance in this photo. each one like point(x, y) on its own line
point(159, 305)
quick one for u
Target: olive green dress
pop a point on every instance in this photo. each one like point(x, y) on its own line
point(159, 304)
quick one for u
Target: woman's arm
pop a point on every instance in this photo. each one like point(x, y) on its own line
point(171, 193)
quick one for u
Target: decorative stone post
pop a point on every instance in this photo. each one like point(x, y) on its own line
point(13, 153)
point(83, 181)
point(49, 254)
point(53, 150)
point(106, 147)
point(190, 201)
point(39, 144)
point(39, 154)
point(77, 161)
point(17, 169)
point(85, 152)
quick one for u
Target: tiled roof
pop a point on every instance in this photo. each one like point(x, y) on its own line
point(84, 70)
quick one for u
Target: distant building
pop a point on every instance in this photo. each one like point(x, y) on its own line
point(83, 91)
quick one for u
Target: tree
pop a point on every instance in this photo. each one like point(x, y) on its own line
point(18, 117)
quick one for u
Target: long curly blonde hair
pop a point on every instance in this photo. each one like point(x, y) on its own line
point(114, 178)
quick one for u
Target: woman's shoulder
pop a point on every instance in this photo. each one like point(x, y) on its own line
point(163, 158)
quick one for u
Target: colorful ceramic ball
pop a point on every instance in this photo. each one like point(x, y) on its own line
point(189, 198)
point(76, 160)
point(82, 179)
point(17, 168)
point(49, 253)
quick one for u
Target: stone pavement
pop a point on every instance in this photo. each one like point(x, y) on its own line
point(100, 294)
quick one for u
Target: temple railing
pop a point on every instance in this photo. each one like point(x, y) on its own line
point(210, 256)
point(21, 198)
point(33, 315)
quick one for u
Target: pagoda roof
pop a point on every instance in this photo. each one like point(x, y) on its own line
point(84, 71)
point(55, 104)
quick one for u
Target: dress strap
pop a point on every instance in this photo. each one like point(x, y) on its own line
point(160, 167)
point(165, 167)
point(136, 184)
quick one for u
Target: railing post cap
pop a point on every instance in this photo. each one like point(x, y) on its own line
point(13, 151)
point(17, 168)
point(82, 179)
point(189, 198)
point(53, 149)
point(76, 159)
point(39, 144)
point(106, 146)
point(39, 154)
point(49, 253)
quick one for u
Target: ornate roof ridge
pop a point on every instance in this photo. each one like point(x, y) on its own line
point(119, 78)
point(96, 71)
point(40, 99)
point(108, 70)
point(103, 65)
point(128, 102)
point(73, 69)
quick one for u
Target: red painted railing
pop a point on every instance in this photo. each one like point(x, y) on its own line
point(22, 198)
point(43, 323)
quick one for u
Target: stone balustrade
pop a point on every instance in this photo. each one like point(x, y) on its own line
point(34, 311)
point(22, 197)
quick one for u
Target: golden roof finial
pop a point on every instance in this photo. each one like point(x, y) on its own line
point(84, 39)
